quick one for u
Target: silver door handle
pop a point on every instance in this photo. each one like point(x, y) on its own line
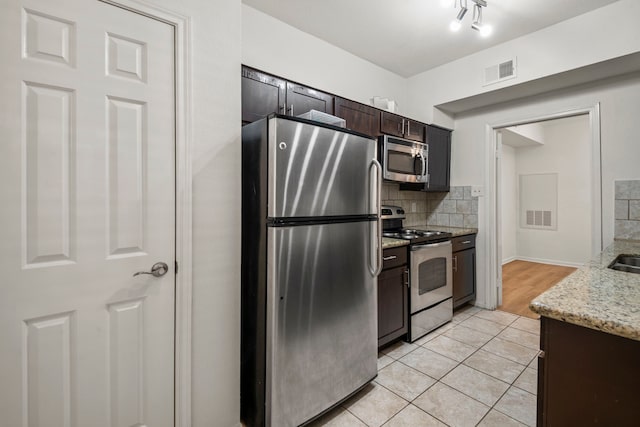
point(158, 269)
point(455, 263)
point(374, 163)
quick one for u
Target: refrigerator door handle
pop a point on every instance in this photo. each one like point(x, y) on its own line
point(375, 195)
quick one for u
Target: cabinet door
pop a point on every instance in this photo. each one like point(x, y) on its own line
point(439, 141)
point(391, 124)
point(301, 99)
point(464, 276)
point(262, 95)
point(414, 131)
point(359, 117)
point(393, 316)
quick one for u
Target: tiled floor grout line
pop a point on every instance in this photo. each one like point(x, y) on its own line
point(458, 363)
point(511, 384)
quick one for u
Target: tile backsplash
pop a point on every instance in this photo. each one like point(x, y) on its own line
point(453, 209)
point(627, 210)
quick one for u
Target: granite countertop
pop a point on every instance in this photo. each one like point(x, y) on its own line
point(597, 297)
point(455, 231)
point(388, 242)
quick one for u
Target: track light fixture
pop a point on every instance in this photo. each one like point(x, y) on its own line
point(477, 24)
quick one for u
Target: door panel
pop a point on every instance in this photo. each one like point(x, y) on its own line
point(321, 317)
point(439, 141)
point(315, 171)
point(359, 117)
point(301, 99)
point(262, 95)
point(87, 181)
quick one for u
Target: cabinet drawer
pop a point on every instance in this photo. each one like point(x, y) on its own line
point(463, 242)
point(394, 257)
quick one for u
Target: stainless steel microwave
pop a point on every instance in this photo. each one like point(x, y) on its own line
point(403, 160)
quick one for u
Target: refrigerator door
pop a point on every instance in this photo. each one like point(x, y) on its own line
point(321, 318)
point(317, 172)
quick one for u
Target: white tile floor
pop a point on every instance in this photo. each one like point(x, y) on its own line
point(478, 370)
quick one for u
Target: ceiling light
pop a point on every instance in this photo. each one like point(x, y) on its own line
point(457, 23)
point(477, 24)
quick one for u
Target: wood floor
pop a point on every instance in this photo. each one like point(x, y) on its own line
point(522, 281)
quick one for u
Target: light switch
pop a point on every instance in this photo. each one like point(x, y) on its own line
point(414, 207)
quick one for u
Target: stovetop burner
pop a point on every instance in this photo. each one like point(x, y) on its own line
point(417, 236)
point(392, 218)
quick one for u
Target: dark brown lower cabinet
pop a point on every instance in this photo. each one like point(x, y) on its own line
point(393, 296)
point(587, 377)
point(464, 269)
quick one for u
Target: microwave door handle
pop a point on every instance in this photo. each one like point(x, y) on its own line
point(424, 166)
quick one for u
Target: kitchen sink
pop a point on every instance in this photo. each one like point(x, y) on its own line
point(627, 263)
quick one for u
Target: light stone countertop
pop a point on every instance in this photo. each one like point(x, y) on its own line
point(455, 231)
point(388, 242)
point(597, 297)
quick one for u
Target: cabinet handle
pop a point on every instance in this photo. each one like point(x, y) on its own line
point(291, 110)
point(466, 242)
point(406, 277)
point(541, 354)
point(389, 258)
point(402, 132)
point(455, 263)
point(408, 127)
point(284, 108)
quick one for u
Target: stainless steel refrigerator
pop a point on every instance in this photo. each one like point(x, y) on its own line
point(311, 252)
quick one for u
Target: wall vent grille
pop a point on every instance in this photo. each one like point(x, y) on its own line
point(503, 71)
point(539, 219)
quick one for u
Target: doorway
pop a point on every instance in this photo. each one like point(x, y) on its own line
point(530, 212)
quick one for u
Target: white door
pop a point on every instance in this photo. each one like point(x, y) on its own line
point(87, 190)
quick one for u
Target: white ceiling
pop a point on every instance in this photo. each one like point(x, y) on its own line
point(408, 37)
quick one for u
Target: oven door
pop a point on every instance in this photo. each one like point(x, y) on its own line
point(404, 161)
point(431, 275)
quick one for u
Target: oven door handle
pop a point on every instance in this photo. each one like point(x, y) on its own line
point(430, 245)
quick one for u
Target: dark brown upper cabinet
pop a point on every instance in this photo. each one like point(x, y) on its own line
point(359, 117)
point(393, 124)
point(262, 94)
point(302, 99)
point(439, 141)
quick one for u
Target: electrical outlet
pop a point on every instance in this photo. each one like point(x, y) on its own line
point(477, 191)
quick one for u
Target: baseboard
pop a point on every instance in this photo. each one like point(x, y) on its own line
point(550, 261)
point(508, 260)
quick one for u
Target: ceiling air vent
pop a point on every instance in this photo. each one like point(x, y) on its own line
point(503, 71)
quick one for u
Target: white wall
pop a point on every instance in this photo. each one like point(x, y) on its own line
point(215, 132)
point(593, 37)
point(619, 110)
point(533, 131)
point(566, 152)
point(278, 48)
point(508, 206)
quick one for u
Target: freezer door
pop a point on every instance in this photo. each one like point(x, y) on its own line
point(316, 171)
point(321, 319)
